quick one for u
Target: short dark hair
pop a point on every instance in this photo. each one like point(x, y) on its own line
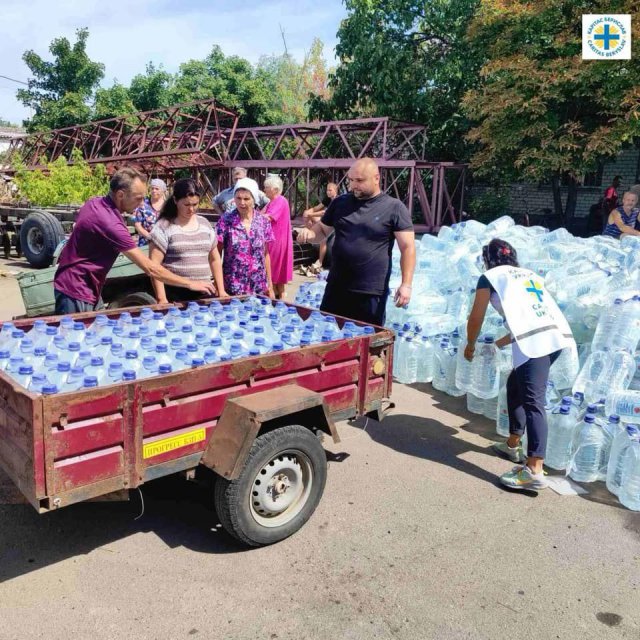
point(183, 188)
point(123, 178)
point(499, 253)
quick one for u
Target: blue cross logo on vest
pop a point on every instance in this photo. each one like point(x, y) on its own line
point(534, 290)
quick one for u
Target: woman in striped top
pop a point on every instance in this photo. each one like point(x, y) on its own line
point(185, 243)
point(622, 220)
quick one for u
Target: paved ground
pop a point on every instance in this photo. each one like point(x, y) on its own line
point(413, 539)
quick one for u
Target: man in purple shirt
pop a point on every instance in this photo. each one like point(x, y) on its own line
point(98, 237)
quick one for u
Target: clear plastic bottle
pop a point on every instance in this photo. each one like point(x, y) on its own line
point(73, 352)
point(84, 359)
point(164, 369)
point(13, 366)
point(96, 369)
point(71, 380)
point(100, 324)
point(128, 375)
point(5, 334)
point(502, 413)
point(475, 404)
point(561, 428)
point(463, 371)
point(407, 370)
point(149, 367)
point(49, 389)
point(104, 348)
point(45, 339)
point(38, 380)
point(604, 372)
point(50, 362)
point(425, 360)
point(589, 451)
point(90, 382)
point(4, 359)
point(156, 323)
point(237, 350)
point(23, 377)
point(625, 404)
point(147, 346)
point(485, 379)
point(162, 355)
point(440, 362)
point(114, 373)
point(26, 350)
point(619, 450)
point(629, 495)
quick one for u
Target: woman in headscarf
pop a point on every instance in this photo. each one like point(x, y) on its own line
point(281, 249)
point(244, 238)
point(145, 217)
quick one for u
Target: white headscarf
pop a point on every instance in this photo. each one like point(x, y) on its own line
point(250, 185)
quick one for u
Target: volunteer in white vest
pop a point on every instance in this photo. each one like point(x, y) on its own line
point(537, 332)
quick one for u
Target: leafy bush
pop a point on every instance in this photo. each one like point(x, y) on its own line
point(490, 204)
point(61, 183)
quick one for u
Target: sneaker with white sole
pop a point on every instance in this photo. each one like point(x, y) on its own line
point(515, 454)
point(521, 477)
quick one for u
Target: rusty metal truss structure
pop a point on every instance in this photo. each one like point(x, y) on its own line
point(205, 139)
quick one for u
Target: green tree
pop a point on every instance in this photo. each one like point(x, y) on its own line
point(292, 84)
point(62, 183)
point(234, 83)
point(112, 102)
point(151, 89)
point(60, 90)
point(406, 59)
point(542, 113)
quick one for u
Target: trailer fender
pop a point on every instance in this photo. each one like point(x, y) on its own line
point(244, 417)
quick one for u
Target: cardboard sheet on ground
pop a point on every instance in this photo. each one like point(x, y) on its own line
point(565, 486)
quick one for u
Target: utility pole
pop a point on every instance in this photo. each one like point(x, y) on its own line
point(286, 51)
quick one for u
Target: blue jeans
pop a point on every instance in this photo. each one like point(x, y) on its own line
point(526, 392)
point(66, 304)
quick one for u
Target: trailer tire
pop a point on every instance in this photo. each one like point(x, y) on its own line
point(135, 299)
point(40, 234)
point(287, 464)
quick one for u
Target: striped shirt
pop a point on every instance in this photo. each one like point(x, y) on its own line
point(186, 253)
point(629, 220)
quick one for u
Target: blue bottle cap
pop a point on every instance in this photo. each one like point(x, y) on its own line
point(25, 370)
point(78, 326)
point(131, 355)
point(146, 342)
point(259, 340)
point(209, 354)
point(157, 316)
point(106, 340)
point(488, 340)
point(254, 352)
point(187, 328)
point(192, 348)
point(592, 408)
point(235, 348)
point(38, 351)
point(277, 346)
point(115, 366)
point(51, 331)
point(258, 330)
point(161, 333)
point(164, 368)
point(136, 322)
point(185, 314)
point(148, 361)
point(77, 371)
point(74, 346)
point(112, 323)
point(614, 418)
point(237, 335)
point(17, 334)
point(212, 323)
point(589, 418)
point(216, 342)
point(64, 366)
point(90, 381)
point(197, 362)
point(225, 357)
point(176, 343)
point(134, 334)
point(49, 389)
point(161, 348)
point(97, 361)
point(368, 330)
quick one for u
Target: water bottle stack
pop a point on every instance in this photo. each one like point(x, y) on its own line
point(68, 357)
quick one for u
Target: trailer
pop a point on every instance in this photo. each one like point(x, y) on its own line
point(256, 422)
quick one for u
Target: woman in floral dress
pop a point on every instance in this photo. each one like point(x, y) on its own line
point(145, 216)
point(244, 236)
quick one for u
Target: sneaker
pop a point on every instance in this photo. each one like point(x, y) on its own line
point(521, 477)
point(515, 454)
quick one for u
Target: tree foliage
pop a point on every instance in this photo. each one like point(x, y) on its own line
point(62, 183)
point(406, 59)
point(60, 90)
point(542, 113)
point(112, 102)
point(151, 89)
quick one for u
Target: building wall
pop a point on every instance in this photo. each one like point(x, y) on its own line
point(533, 198)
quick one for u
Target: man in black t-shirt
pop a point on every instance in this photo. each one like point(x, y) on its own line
point(313, 215)
point(366, 223)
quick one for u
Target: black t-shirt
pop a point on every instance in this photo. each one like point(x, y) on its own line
point(364, 237)
point(326, 201)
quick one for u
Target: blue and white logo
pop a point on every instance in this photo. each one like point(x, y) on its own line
point(606, 36)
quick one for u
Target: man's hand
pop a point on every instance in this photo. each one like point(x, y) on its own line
point(203, 286)
point(469, 351)
point(305, 235)
point(403, 295)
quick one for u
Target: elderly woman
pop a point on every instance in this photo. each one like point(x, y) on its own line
point(281, 249)
point(622, 220)
point(244, 238)
point(185, 244)
point(145, 216)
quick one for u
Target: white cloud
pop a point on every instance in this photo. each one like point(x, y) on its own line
point(125, 36)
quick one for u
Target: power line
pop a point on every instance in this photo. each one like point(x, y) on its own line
point(14, 80)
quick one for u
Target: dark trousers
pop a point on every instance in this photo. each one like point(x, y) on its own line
point(526, 391)
point(357, 306)
point(182, 294)
point(66, 304)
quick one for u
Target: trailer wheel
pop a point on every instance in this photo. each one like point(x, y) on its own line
point(136, 299)
point(278, 490)
point(40, 234)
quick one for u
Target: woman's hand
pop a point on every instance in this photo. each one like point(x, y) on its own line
point(501, 343)
point(203, 286)
point(162, 301)
point(270, 292)
point(469, 351)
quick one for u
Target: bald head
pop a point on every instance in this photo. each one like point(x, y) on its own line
point(364, 178)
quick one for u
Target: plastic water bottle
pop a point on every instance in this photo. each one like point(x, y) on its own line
point(165, 368)
point(84, 359)
point(629, 495)
point(589, 451)
point(66, 326)
point(440, 362)
point(23, 377)
point(216, 346)
point(104, 348)
point(149, 367)
point(424, 371)
point(619, 450)
point(604, 372)
point(625, 404)
point(502, 413)
point(128, 375)
point(5, 333)
point(156, 322)
point(13, 366)
point(38, 380)
point(71, 380)
point(50, 362)
point(26, 350)
point(237, 350)
point(96, 369)
point(49, 389)
point(463, 371)
point(45, 339)
point(485, 379)
point(4, 359)
point(90, 382)
point(407, 370)
point(561, 428)
point(475, 404)
point(100, 324)
point(78, 333)
point(162, 355)
point(147, 346)
point(114, 373)
point(73, 352)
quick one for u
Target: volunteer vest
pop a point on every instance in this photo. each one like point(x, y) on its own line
point(535, 321)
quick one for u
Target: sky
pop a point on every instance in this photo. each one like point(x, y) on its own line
point(125, 36)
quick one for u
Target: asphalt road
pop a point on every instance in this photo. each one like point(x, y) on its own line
point(414, 539)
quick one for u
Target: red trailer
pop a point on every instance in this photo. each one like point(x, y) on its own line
point(257, 422)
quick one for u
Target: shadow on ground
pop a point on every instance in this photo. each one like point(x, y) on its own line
point(181, 513)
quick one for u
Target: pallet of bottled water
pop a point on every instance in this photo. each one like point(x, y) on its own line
point(72, 355)
point(596, 283)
